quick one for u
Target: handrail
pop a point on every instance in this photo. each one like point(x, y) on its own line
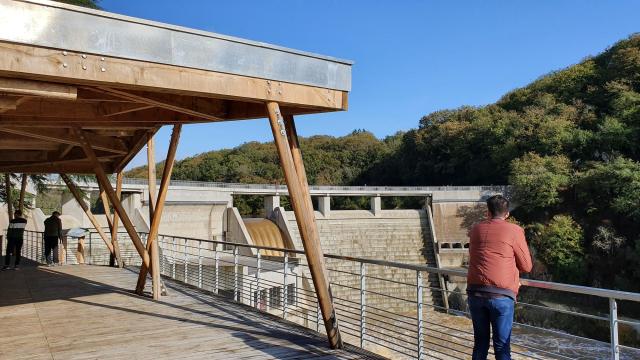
point(547, 285)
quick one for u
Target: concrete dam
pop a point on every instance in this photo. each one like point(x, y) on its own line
point(434, 235)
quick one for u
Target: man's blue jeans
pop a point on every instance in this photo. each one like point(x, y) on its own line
point(487, 314)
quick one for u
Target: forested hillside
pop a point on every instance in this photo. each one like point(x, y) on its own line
point(569, 143)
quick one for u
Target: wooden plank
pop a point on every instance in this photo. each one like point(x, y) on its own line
point(48, 108)
point(101, 177)
point(151, 175)
point(306, 224)
point(75, 167)
point(37, 88)
point(79, 199)
point(98, 142)
point(152, 243)
point(138, 142)
point(46, 64)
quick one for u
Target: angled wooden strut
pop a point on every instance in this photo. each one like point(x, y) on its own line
point(294, 172)
point(115, 254)
point(152, 243)
point(79, 198)
point(102, 179)
point(114, 230)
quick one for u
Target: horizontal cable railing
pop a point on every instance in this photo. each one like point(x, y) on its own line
point(391, 308)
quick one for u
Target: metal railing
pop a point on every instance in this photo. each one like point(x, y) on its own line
point(392, 308)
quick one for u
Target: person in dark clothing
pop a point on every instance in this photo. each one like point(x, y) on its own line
point(15, 237)
point(52, 235)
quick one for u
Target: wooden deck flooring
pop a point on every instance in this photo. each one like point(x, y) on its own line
point(89, 312)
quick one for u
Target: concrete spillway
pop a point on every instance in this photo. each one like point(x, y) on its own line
point(265, 232)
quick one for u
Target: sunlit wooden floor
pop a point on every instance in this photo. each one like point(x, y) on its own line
point(89, 312)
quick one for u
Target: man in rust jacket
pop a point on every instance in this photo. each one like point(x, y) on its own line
point(498, 252)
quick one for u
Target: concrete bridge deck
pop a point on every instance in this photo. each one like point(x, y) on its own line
point(89, 312)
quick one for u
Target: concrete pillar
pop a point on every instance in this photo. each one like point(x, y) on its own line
point(71, 207)
point(376, 205)
point(324, 205)
point(271, 202)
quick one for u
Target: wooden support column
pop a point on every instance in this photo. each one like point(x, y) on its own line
point(298, 192)
point(102, 179)
point(115, 254)
point(151, 187)
point(23, 190)
point(78, 196)
point(7, 188)
point(152, 243)
point(114, 231)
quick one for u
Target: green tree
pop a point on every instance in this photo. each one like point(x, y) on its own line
point(539, 180)
point(559, 244)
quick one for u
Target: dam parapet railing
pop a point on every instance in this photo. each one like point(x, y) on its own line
point(316, 190)
point(273, 280)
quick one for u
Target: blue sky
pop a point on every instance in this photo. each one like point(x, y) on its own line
point(411, 57)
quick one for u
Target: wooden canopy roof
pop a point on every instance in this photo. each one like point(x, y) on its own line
point(69, 73)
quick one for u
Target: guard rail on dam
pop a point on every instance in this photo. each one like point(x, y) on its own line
point(272, 280)
point(281, 189)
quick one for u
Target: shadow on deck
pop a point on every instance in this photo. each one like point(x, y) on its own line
point(88, 312)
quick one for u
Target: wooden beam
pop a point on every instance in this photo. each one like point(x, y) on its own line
point(306, 223)
point(140, 138)
point(79, 198)
point(8, 103)
point(23, 191)
point(101, 176)
point(29, 165)
point(144, 76)
point(48, 108)
point(165, 102)
point(114, 231)
point(16, 142)
point(69, 168)
point(98, 142)
point(151, 174)
point(37, 88)
point(152, 243)
point(18, 156)
point(115, 255)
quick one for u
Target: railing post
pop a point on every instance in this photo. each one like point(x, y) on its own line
point(186, 262)
point(200, 264)
point(174, 258)
point(258, 268)
point(236, 293)
point(285, 287)
point(217, 257)
point(613, 326)
point(363, 304)
point(419, 309)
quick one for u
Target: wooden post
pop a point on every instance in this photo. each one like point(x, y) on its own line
point(305, 218)
point(114, 231)
point(102, 179)
point(115, 254)
point(151, 171)
point(78, 196)
point(152, 243)
point(7, 187)
point(23, 190)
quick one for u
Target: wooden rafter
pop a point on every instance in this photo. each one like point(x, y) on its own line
point(116, 219)
point(115, 254)
point(170, 103)
point(61, 136)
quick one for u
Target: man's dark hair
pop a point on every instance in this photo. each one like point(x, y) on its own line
point(55, 213)
point(17, 213)
point(498, 205)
